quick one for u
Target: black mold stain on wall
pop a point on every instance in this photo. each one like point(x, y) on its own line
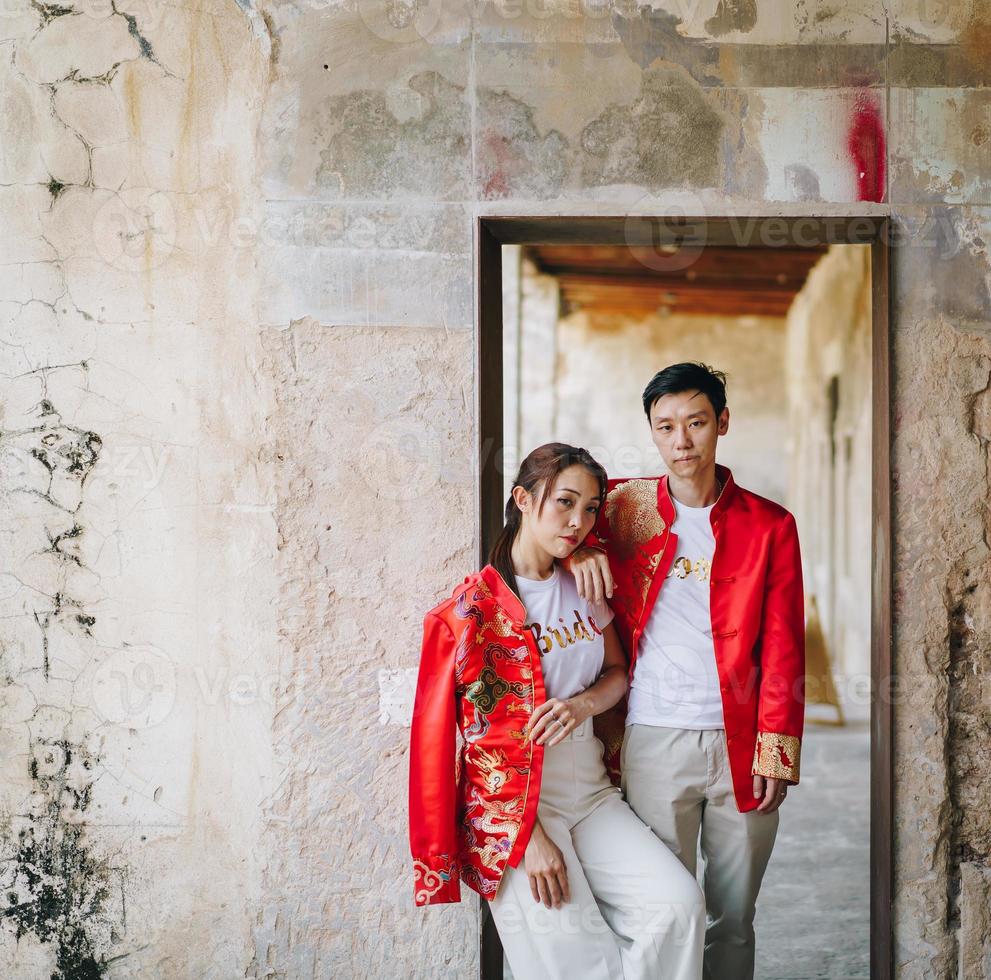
point(55, 886)
point(62, 458)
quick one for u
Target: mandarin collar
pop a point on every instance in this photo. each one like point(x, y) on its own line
point(503, 594)
point(666, 505)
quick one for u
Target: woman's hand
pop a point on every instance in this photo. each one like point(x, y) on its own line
point(554, 720)
point(546, 869)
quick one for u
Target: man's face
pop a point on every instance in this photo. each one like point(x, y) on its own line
point(685, 430)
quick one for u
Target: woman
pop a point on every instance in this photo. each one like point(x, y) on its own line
point(579, 886)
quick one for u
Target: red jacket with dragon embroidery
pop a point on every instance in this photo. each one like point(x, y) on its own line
point(472, 807)
point(471, 810)
point(756, 605)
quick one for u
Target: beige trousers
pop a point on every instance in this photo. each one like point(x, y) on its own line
point(678, 781)
point(635, 913)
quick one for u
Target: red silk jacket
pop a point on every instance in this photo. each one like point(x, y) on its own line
point(756, 604)
point(472, 808)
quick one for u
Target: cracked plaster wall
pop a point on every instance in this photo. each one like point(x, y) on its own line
point(237, 414)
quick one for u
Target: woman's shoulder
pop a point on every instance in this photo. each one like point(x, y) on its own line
point(474, 593)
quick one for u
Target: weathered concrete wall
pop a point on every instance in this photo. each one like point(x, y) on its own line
point(237, 411)
point(138, 516)
point(830, 421)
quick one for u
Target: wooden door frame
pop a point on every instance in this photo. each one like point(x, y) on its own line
point(491, 232)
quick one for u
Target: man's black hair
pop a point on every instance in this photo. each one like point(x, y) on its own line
point(687, 376)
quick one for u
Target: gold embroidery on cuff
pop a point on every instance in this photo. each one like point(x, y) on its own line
point(777, 756)
point(428, 881)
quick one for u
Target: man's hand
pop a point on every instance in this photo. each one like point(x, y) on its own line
point(773, 792)
point(593, 577)
point(545, 867)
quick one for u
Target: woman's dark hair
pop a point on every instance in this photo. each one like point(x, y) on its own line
point(687, 376)
point(540, 467)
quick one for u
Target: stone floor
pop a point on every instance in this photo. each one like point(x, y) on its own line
point(813, 916)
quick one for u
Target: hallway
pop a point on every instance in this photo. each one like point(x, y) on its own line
point(813, 916)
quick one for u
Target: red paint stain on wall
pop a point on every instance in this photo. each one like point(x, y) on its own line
point(496, 181)
point(866, 146)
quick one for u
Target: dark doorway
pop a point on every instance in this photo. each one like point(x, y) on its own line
point(717, 237)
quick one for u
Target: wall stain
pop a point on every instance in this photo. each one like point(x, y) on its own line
point(144, 45)
point(65, 451)
point(55, 885)
point(803, 181)
point(650, 35)
point(70, 614)
point(513, 156)
point(866, 148)
point(274, 44)
point(732, 15)
point(968, 604)
point(57, 544)
point(975, 39)
point(49, 11)
point(669, 136)
point(653, 35)
point(66, 455)
point(372, 153)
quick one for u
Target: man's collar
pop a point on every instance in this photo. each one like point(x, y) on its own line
point(729, 490)
point(665, 503)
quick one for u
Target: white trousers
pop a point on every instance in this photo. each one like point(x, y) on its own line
point(635, 912)
point(678, 780)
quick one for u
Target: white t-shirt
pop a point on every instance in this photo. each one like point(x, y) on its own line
point(568, 631)
point(675, 682)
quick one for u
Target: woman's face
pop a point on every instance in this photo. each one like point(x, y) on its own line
point(568, 512)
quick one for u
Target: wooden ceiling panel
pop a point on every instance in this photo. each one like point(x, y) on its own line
point(639, 281)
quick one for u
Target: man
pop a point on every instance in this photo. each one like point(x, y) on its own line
point(709, 603)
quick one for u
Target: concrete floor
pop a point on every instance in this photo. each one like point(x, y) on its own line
point(813, 916)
